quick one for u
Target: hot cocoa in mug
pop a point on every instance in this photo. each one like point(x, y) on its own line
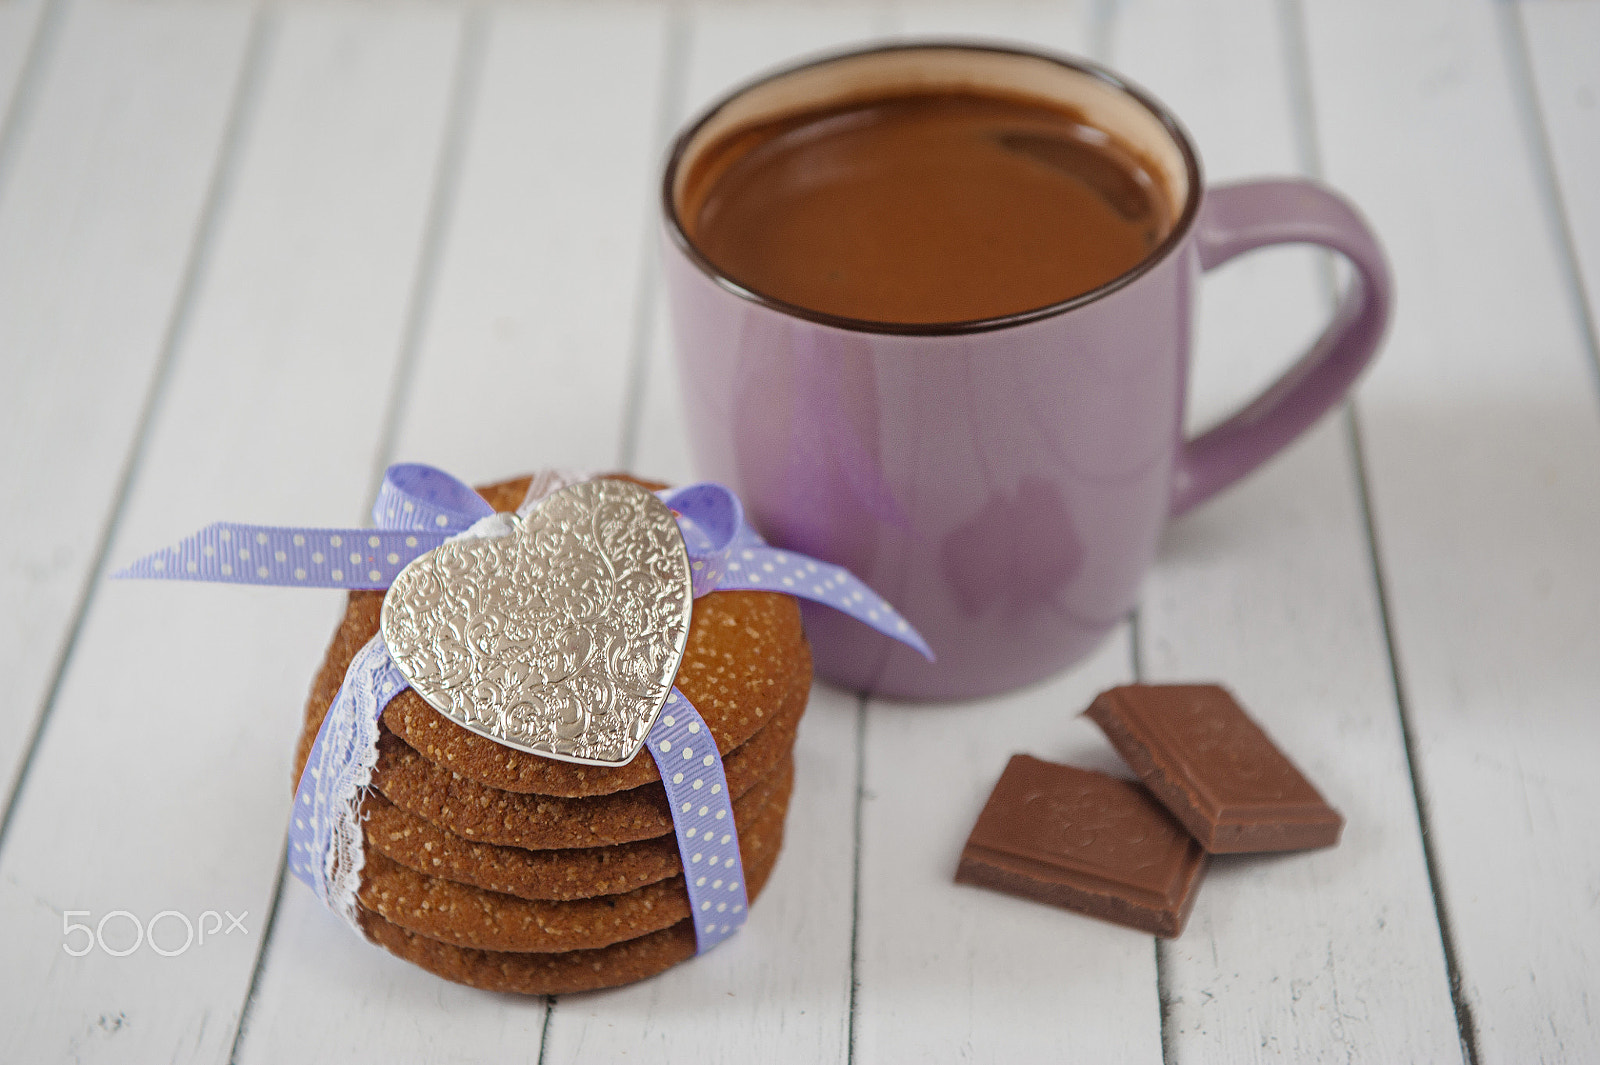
point(933, 306)
point(930, 207)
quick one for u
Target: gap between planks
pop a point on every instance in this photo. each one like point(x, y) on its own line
point(855, 876)
point(1309, 146)
point(1512, 24)
point(41, 45)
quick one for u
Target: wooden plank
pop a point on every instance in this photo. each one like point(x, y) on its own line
point(1483, 447)
point(1563, 40)
point(95, 233)
point(162, 778)
point(1270, 590)
point(945, 967)
point(538, 275)
point(661, 450)
point(521, 364)
point(780, 990)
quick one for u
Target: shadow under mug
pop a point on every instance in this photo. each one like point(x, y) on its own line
point(1003, 482)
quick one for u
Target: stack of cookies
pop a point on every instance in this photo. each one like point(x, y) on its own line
point(509, 871)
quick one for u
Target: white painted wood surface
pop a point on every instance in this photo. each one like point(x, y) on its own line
point(161, 777)
point(247, 257)
point(542, 255)
point(1482, 443)
point(91, 217)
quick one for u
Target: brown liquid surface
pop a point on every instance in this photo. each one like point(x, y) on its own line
point(924, 209)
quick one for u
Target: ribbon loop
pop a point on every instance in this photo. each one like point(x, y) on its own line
point(415, 496)
point(714, 511)
point(710, 518)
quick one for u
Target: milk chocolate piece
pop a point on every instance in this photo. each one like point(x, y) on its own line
point(1215, 769)
point(1085, 841)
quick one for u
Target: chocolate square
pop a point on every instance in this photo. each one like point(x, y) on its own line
point(1214, 768)
point(1085, 841)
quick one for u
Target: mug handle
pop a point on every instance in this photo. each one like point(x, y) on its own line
point(1238, 218)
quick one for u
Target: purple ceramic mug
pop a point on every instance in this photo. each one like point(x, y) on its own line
point(1003, 482)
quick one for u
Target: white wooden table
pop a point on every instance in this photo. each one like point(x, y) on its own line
point(249, 255)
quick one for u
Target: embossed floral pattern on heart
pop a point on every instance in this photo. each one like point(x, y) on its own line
point(561, 638)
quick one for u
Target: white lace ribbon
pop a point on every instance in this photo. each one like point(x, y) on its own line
point(325, 836)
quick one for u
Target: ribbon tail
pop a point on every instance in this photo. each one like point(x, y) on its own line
point(231, 553)
point(873, 611)
point(414, 496)
point(770, 570)
point(702, 817)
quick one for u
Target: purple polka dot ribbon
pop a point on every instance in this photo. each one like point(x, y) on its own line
point(418, 508)
point(316, 558)
point(702, 816)
point(415, 513)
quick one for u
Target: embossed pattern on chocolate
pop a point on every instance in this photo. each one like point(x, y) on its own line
point(1086, 841)
point(561, 638)
point(1195, 747)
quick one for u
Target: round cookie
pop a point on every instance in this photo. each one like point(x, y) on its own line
point(469, 916)
point(745, 650)
point(575, 873)
point(545, 974)
point(735, 708)
point(539, 822)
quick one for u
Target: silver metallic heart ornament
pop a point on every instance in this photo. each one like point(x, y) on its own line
point(562, 638)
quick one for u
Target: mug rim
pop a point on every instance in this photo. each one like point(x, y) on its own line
point(1169, 122)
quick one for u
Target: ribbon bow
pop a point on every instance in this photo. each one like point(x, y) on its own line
point(420, 507)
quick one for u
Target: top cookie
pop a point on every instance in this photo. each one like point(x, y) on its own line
point(746, 651)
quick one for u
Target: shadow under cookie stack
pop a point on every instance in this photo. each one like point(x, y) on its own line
point(509, 871)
